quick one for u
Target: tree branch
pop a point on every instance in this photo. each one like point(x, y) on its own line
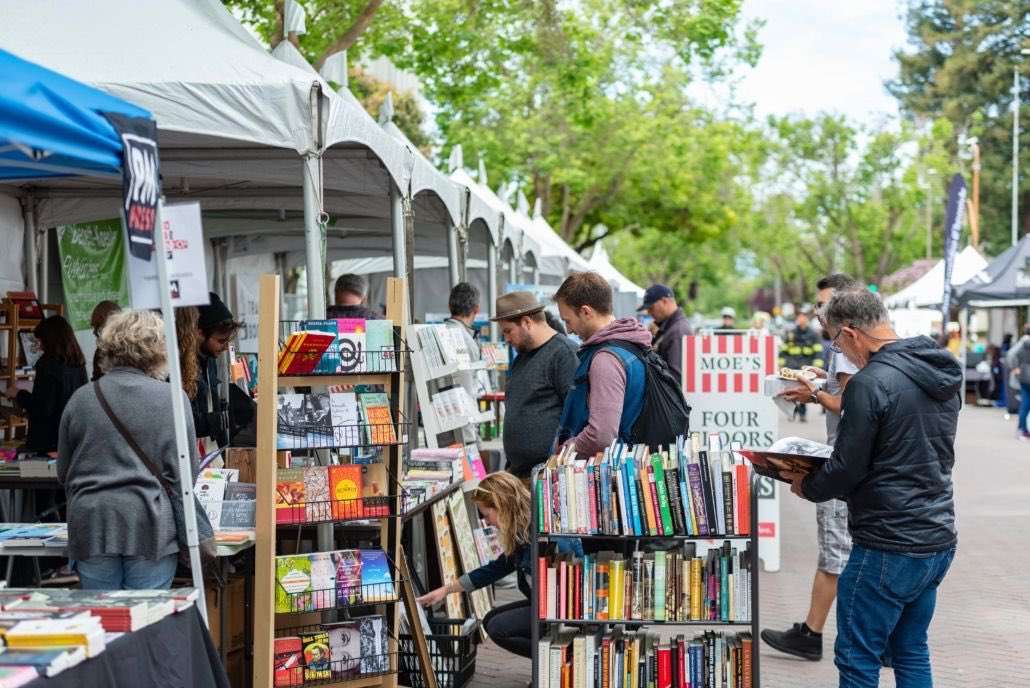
point(349, 36)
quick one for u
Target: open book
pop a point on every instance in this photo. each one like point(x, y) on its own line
point(788, 455)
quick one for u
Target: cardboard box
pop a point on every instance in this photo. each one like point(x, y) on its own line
point(235, 607)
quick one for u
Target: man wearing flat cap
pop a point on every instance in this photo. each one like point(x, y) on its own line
point(660, 304)
point(540, 379)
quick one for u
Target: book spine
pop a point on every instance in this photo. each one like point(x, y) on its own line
point(563, 502)
point(672, 488)
point(724, 588)
point(541, 568)
point(707, 493)
point(621, 500)
point(634, 503)
point(650, 500)
point(688, 510)
point(743, 500)
point(592, 493)
point(695, 590)
point(697, 498)
point(582, 497)
point(663, 494)
point(727, 502)
point(715, 467)
point(659, 586)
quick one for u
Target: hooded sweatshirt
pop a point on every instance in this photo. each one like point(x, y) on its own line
point(895, 449)
point(607, 385)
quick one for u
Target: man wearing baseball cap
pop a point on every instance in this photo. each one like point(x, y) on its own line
point(660, 304)
point(541, 376)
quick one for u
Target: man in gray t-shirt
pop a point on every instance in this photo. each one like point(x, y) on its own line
point(540, 379)
point(805, 639)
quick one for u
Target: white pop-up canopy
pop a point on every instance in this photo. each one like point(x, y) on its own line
point(928, 290)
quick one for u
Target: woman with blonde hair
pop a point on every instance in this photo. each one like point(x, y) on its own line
point(504, 502)
point(117, 459)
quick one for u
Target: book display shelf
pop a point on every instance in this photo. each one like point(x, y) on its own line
point(330, 617)
point(438, 360)
point(18, 317)
point(667, 591)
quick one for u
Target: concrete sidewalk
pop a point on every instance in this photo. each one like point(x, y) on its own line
point(983, 608)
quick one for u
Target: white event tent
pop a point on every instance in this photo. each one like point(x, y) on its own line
point(916, 308)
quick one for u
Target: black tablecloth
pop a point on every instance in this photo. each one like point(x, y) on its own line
point(176, 652)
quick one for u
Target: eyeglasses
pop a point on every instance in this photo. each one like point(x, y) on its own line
point(834, 347)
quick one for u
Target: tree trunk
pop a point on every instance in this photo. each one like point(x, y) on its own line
point(349, 36)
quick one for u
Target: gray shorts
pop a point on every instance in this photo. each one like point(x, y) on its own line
point(834, 541)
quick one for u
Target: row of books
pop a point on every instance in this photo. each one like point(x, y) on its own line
point(427, 472)
point(687, 490)
point(620, 658)
point(668, 586)
point(443, 346)
point(342, 650)
point(118, 610)
point(343, 345)
point(34, 535)
point(316, 494)
point(332, 580)
point(334, 419)
point(454, 405)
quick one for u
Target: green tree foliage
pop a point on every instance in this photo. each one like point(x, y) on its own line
point(959, 66)
point(408, 116)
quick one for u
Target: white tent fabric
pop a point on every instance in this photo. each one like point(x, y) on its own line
point(928, 290)
point(602, 264)
point(12, 236)
point(558, 257)
point(515, 223)
point(184, 60)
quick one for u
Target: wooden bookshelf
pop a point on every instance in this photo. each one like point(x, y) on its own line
point(11, 324)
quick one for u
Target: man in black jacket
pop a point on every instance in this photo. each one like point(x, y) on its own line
point(892, 462)
point(218, 328)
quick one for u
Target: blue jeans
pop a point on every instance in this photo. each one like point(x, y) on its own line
point(885, 601)
point(116, 572)
point(1024, 405)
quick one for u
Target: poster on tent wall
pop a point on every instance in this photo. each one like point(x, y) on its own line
point(187, 269)
point(952, 233)
point(92, 268)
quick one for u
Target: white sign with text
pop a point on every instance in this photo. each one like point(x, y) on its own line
point(187, 270)
point(724, 378)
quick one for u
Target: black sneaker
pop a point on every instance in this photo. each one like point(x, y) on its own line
point(797, 641)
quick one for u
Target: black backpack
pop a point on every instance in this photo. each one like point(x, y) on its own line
point(665, 414)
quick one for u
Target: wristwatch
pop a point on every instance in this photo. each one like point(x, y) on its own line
point(815, 396)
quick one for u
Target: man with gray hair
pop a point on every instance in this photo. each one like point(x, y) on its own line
point(350, 294)
point(463, 304)
point(892, 462)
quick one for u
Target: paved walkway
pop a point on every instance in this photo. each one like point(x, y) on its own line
point(983, 613)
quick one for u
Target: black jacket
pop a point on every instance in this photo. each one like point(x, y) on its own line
point(895, 449)
point(208, 422)
point(52, 387)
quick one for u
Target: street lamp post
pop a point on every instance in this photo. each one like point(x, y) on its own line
point(1015, 148)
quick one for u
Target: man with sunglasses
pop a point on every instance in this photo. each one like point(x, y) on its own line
point(892, 462)
point(805, 639)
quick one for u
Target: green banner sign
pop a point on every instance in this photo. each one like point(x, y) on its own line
point(92, 267)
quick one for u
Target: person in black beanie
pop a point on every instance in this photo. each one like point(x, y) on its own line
point(216, 329)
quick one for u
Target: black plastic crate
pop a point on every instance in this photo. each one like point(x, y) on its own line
point(452, 653)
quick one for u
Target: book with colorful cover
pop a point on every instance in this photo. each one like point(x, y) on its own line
point(472, 465)
point(293, 584)
point(323, 580)
point(289, 495)
point(345, 486)
point(345, 647)
point(288, 662)
point(31, 348)
point(317, 504)
point(376, 579)
point(380, 346)
point(47, 662)
point(329, 361)
point(375, 410)
point(346, 419)
point(348, 577)
point(351, 344)
point(303, 351)
point(374, 501)
point(28, 304)
point(317, 659)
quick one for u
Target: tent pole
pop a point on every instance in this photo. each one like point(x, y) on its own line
point(183, 449)
point(31, 264)
point(397, 224)
point(452, 255)
point(44, 266)
point(963, 317)
point(314, 242)
point(491, 286)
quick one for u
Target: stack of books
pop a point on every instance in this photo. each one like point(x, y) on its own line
point(688, 489)
point(74, 630)
point(427, 472)
point(620, 658)
point(16, 664)
point(332, 580)
point(34, 535)
point(454, 405)
point(443, 346)
point(118, 611)
point(343, 650)
point(669, 586)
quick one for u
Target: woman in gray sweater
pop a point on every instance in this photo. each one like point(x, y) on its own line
point(121, 528)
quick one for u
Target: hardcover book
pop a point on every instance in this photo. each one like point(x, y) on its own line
point(380, 348)
point(374, 650)
point(303, 351)
point(345, 647)
point(316, 494)
point(288, 662)
point(346, 419)
point(345, 487)
point(351, 345)
point(348, 577)
point(289, 495)
point(317, 660)
point(293, 584)
point(328, 361)
point(375, 409)
point(376, 579)
point(323, 580)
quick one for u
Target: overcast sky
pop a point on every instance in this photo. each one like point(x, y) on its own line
point(824, 55)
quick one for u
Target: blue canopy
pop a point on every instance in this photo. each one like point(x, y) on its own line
point(51, 126)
